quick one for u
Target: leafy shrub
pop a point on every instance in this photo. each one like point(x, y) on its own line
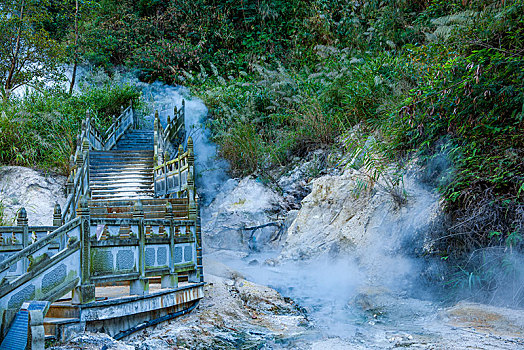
point(39, 129)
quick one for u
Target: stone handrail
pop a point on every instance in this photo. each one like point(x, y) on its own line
point(174, 177)
point(37, 247)
point(88, 251)
point(124, 121)
point(173, 134)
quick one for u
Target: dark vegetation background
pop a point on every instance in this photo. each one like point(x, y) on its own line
point(436, 81)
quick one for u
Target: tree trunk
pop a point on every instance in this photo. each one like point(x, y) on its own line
point(73, 77)
point(75, 65)
point(14, 58)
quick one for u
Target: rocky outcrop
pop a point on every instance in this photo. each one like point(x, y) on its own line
point(34, 190)
point(340, 215)
point(242, 216)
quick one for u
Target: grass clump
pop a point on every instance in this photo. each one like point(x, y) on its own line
point(39, 129)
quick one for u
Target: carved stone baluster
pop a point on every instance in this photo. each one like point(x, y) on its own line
point(23, 222)
point(200, 265)
point(140, 286)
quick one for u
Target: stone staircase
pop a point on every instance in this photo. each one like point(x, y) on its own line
point(61, 319)
point(92, 268)
point(126, 171)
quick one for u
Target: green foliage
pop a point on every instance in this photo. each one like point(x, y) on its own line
point(489, 271)
point(25, 44)
point(162, 38)
point(39, 129)
point(442, 83)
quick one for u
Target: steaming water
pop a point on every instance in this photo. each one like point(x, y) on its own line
point(341, 299)
point(210, 170)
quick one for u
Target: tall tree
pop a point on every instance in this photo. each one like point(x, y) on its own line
point(28, 55)
point(75, 58)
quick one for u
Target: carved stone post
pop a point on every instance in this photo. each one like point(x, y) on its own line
point(192, 210)
point(200, 265)
point(35, 330)
point(141, 285)
point(85, 179)
point(88, 124)
point(69, 184)
point(85, 292)
point(79, 151)
point(57, 221)
point(156, 128)
point(193, 276)
point(57, 215)
point(179, 164)
point(23, 222)
point(170, 280)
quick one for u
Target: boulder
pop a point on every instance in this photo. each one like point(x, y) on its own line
point(242, 216)
point(340, 217)
point(34, 190)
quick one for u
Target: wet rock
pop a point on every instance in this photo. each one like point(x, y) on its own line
point(36, 191)
point(94, 341)
point(295, 185)
point(372, 300)
point(233, 314)
point(240, 217)
point(217, 268)
point(486, 319)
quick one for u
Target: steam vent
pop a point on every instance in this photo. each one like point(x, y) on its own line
point(124, 252)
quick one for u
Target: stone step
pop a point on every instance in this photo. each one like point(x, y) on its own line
point(121, 165)
point(63, 309)
point(121, 178)
point(16, 337)
point(133, 188)
point(123, 196)
point(105, 173)
point(136, 138)
point(135, 147)
point(121, 192)
point(52, 325)
point(115, 152)
point(140, 154)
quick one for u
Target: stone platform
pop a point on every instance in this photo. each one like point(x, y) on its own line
point(119, 314)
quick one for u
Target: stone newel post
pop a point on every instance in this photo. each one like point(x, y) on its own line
point(57, 215)
point(23, 222)
point(140, 286)
point(170, 280)
point(85, 292)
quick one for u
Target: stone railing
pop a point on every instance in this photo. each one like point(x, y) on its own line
point(45, 269)
point(90, 138)
point(13, 239)
point(137, 248)
point(124, 121)
point(173, 134)
point(175, 178)
point(133, 245)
